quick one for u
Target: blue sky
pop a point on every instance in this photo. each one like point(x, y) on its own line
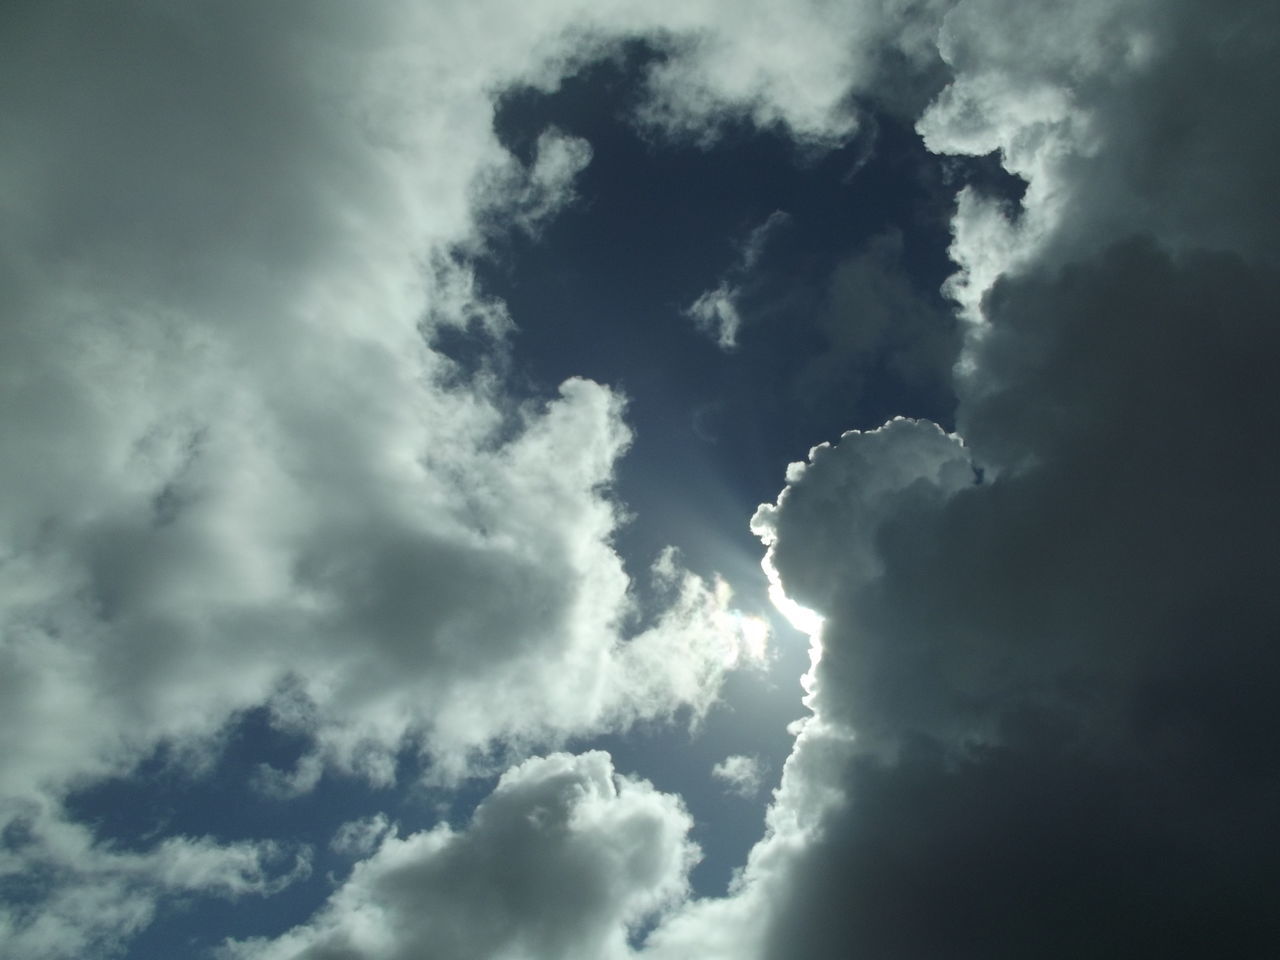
point(423, 422)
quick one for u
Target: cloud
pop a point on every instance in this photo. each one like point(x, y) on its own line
point(239, 475)
point(528, 198)
point(236, 473)
point(234, 452)
point(715, 312)
point(359, 838)
point(237, 467)
point(71, 896)
point(717, 316)
point(742, 775)
point(1122, 122)
point(1052, 698)
point(1043, 682)
point(795, 68)
point(564, 859)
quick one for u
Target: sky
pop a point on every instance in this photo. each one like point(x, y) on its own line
point(602, 480)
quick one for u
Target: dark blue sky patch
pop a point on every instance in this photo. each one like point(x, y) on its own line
point(603, 291)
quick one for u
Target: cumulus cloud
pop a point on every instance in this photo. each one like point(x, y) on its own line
point(236, 462)
point(795, 67)
point(1121, 121)
point(564, 859)
point(233, 449)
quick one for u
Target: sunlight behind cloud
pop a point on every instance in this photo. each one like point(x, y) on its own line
point(808, 622)
point(753, 637)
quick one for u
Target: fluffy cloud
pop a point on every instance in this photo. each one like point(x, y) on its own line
point(564, 859)
point(1121, 118)
point(237, 466)
point(237, 473)
point(236, 463)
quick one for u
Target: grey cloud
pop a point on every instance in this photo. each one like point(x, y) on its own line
point(1060, 679)
point(563, 859)
point(1008, 852)
point(1123, 119)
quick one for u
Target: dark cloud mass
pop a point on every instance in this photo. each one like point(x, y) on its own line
point(1065, 676)
point(359, 365)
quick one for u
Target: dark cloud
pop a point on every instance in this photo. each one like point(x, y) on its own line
point(1061, 679)
point(1038, 850)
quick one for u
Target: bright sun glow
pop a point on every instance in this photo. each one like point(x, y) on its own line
point(753, 635)
point(802, 618)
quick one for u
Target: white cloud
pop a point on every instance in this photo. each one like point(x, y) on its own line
point(530, 197)
point(742, 775)
point(236, 464)
point(234, 452)
point(564, 859)
point(1121, 118)
point(792, 67)
point(716, 315)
